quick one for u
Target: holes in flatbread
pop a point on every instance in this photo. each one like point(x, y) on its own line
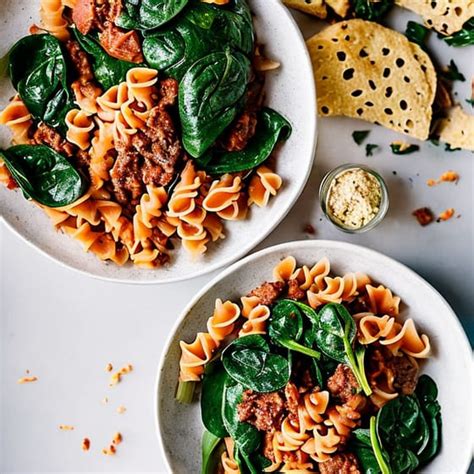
point(363, 53)
point(433, 5)
point(335, 40)
point(324, 78)
point(372, 85)
point(325, 110)
point(458, 11)
point(385, 51)
point(388, 92)
point(356, 93)
point(341, 55)
point(369, 104)
point(388, 111)
point(347, 37)
point(348, 74)
point(359, 111)
point(406, 79)
point(400, 62)
point(386, 72)
point(403, 104)
point(409, 123)
point(423, 67)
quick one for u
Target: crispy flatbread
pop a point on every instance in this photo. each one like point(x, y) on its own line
point(445, 16)
point(367, 71)
point(457, 129)
point(312, 7)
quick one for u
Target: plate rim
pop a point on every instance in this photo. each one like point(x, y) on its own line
point(465, 347)
point(245, 249)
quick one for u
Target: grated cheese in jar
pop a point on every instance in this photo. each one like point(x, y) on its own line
point(354, 198)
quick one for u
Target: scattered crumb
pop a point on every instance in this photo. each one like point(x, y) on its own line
point(86, 444)
point(117, 439)
point(121, 409)
point(446, 215)
point(447, 177)
point(110, 451)
point(66, 427)
point(117, 376)
point(109, 367)
point(424, 216)
point(394, 173)
point(431, 182)
point(105, 400)
point(309, 229)
point(27, 371)
point(27, 379)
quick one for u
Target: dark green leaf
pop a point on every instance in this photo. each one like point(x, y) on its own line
point(417, 33)
point(271, 128)
point(210, 95)
point(44, 175)
point(246, 437)
point(403, 460)
point(448, 148)
point(452, 73)
point(360, 135)
point(149, 14)
point(210, 453)
point(213, 382)
point(397, 149)
point(464, 37)
point(372, 11)
point(369, 149)
point(38, 72)
point(470, 102)
point(108, 71)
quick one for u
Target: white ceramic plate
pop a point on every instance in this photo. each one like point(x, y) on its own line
point(179, 426)
point(290, 91)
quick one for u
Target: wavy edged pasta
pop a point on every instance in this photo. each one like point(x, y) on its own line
point(79, 128)
point(382, 301)
point(52, 19)
point(229, 464)
point(264, 184)
point(312, 409)
point(18, 119)
point(256, 321)
point(225, 198)
point(141, 85)
point(322, 444)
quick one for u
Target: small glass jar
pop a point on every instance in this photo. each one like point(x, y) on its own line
point(325, 192)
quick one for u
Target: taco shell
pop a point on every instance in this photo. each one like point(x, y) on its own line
point(457, 129)
point(312, 7)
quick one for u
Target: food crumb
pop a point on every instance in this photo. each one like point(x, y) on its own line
point(117, 439)
point(424, 216)
point(121, 409)
point(23, 380)
point(117, 376)
point(105, 400)
point(86, 444)
point(446, 215)
point(431, 182)
point(447, 177)
point(309, 229)
point(110, 451)
point(66, 427)
point(109, 367)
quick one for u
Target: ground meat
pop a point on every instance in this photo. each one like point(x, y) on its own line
point(121, 44)
point(424, 216)
point(342, 463)
point(265, 411)
point(268, 292)
point(405, 374)
point(168, 92)
point(294, 290)
point(343, 384)
point(292, 401)
point(268, 447)
point(45, 135)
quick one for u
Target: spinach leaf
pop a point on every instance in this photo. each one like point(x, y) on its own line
point(379, 453)
point(271, 128)
point(286, 328)
point(248, 361)
point(369, 149)
point(246, 437)
point(372, 11)
point(451, 72)
point(361, 444)
point(210, 453)
point(464, 37)
point(38, 72)
point(397, 149)
point(417, 33)
point(212, 392)
point(44, 175)
point(108, 71)
point(210, 95)
point(335, 335)
point(360, 135)
point(149, 14)
point(197, 32)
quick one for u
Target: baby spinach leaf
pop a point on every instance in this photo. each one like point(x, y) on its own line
point(398, 150)
point(286, 327)
point(271, 128)
point(210, 95)
point(108, 71)
point(251, 364)
point(362, 447)
point(149, 14)
point(370, 148)
point(360, 135)
point(212, 392)
point(452, 73)
point(38, 72)
point(464, 37)
point(246, 437)
point(372, 11)
point(417, 33)
point(210, 453)
point(44, 175)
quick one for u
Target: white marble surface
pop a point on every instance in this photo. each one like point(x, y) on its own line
point(65, 327)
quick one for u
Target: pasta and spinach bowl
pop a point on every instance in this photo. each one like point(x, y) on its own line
point(316, 357)
point(138, 127)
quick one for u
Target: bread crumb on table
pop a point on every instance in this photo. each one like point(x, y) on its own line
point(66, 427)
point(117, 376)
point(23, 380)
point(86, 444)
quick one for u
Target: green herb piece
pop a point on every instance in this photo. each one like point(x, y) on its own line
point(248, 360)
point(38, 72)
point(360, 135)
point(210, 453)
point(44, 175)
point(417, 33)
point(470, 101)
point(369, 149)
point(271, 128)
point(372, 11)
point(464, 37)
point(286, 328)
point(108, 71)
point(398, 149)
point(335, 336)
point(448, 148)
point(4, 65)
point(212, 392)
point(149, 14)
point(246, 437)
point(377, 448)
point(185, 392)
point(210, 95)
point(434, 141)
point(451, 72)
